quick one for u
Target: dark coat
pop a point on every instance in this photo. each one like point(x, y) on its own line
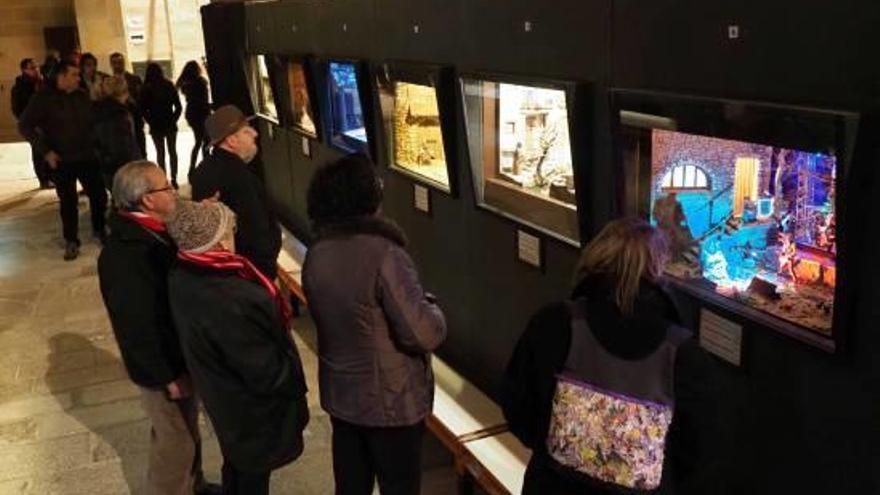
point(160, 106)
point(60, 122)
point(259, 236)
point(133, 271)
point(135, 85)
point(113, 135)
point(530, 382)
point(246, 371)
point(198, 106)
point(376, 326)
point(22, 92)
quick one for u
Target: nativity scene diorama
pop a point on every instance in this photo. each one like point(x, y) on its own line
point(416, 133)
point(752, 222)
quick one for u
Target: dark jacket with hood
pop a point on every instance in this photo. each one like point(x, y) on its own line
point(133, 271)
point(58, 121)
point(243, 363)
point(113, 135)
point(259, 236)
point(376, 326)
point(24, 89)
point(529, 385)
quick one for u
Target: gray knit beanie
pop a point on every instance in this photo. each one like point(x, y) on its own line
point(197, 227)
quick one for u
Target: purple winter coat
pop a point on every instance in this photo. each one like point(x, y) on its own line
point(376, 326)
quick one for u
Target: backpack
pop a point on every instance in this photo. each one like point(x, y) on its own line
point(610, 416)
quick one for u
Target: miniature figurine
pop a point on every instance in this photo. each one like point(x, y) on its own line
point(787, 256)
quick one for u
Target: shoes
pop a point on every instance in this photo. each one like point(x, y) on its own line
point(71, 251)
point(208, 489)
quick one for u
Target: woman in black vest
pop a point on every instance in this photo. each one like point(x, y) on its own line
point(597, 382)
point(194, 87)
point(161, 107)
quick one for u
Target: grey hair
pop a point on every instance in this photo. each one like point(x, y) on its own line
point(130, 183)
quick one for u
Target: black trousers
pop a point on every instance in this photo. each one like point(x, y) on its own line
point(41, 168)
point(236, 482)
point(159, 141)
point(362, 454)
point(89, 175)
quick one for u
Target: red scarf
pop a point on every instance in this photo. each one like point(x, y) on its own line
point(145, 221)
point(224, 260)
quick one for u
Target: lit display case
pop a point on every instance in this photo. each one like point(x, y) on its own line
point(413, 125)
point(303, 117)
point(749, 196)
point(263, 71)
point(347, 125)
point(521, 155)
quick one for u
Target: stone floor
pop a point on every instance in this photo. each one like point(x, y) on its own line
point(70, 420)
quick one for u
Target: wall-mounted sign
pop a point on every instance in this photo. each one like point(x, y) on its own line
point(528, 248)
point(721, 337)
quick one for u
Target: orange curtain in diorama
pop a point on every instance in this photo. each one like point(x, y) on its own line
point(745, 183)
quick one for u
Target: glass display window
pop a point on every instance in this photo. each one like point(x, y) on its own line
point(413, 126)
point(303, 117)
point(262, 73)
point(521, 153)
point(347, 125)
point(748, 197)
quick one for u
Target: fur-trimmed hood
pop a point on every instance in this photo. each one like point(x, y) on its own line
point(369, 225)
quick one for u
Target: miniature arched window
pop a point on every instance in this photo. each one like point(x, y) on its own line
point(686, 177)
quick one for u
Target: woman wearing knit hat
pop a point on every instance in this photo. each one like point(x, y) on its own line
point(233, 327)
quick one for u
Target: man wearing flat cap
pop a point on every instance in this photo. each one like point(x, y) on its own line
point(226, 172)
point(233, 327)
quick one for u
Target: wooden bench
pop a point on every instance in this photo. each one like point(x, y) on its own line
point(466, 421)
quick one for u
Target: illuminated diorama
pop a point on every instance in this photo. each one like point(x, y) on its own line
point(347, 117)
point(412, 124)
point(265, 96)
point(301, 109)
point(752, 222)
point(521, 152)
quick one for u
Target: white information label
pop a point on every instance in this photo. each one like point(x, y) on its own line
point(721, 337)
point(528, 248)
point(421, 198)
point(306, 147)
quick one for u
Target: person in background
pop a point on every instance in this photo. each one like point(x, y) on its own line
point(133, 272)
point(233, 324)
point(134, 83)
point(161, 109)
point(376, 330)
point(47, 70)
point(607, 386)
point(113, 128)
point(56, 123)
point(91, 76)
point(226, 172)
point(194, 86)
point(26, 86)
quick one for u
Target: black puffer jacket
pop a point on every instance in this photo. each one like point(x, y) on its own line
point(60, 122)
point(24, 88)
point(160, 106)
point(113, 135)
point(530, 383)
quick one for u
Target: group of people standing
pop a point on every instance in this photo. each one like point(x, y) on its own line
point(190, 290)
point(83, 125)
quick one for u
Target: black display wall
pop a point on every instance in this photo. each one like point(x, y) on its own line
point(794, 419)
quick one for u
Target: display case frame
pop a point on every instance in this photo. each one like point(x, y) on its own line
point(339, 140)
point(442, 79)
point(578, 99)
point(311, 87)
point(790, 127)
point(273, 63)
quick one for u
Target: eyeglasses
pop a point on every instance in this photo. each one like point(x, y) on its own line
point(166, 188)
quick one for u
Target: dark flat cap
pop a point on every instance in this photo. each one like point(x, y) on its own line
point(225, 121)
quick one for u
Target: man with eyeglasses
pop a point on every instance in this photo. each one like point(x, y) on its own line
point(133, 271)
point(26, 85)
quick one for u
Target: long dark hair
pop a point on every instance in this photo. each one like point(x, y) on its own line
point(154, 74)
point(191, 72)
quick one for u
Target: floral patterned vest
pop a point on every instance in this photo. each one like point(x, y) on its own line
point(610, 416)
